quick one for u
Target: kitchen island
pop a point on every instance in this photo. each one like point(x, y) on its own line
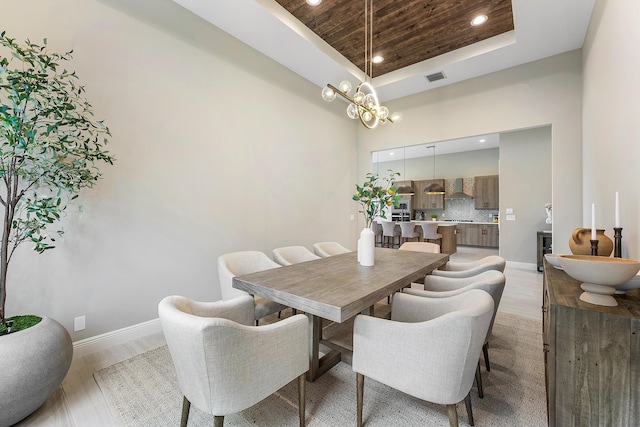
point(448, 229)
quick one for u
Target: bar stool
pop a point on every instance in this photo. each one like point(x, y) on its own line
point(389, 232)
point(408, 232)
point(376, 226)
point(430, 232)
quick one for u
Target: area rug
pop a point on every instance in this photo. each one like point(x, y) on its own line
point(143, 391)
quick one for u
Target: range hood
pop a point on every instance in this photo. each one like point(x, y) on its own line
point(457, 192)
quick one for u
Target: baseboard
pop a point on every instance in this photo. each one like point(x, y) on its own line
point(101, 342)
point(522, 265)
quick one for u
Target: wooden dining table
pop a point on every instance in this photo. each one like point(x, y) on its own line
point(337, 288)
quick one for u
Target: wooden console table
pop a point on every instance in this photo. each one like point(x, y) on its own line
point(592, 355)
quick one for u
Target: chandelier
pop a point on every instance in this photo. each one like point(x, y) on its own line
point(364, 104)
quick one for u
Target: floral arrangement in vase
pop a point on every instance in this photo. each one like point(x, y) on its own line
point(374, 198)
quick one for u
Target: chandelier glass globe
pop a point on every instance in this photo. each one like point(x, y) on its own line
point(328, 94)
point(352, 111)
point(345, 87)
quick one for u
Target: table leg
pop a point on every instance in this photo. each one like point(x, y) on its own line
point(319, 365)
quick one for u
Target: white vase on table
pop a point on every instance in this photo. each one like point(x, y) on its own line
point(366, 247)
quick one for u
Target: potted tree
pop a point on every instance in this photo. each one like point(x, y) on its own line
point(50, 148)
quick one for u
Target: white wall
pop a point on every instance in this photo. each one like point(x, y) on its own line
point(611, 116)
point(525, 187)
point(218, 149)
point(541, 93)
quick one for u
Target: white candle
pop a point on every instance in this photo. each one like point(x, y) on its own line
point(593, 221)
point(617, 210)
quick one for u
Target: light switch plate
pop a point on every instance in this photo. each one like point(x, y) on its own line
point(511, 217)
point(78, 323)
point(508, 210)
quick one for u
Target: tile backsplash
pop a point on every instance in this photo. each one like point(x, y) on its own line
point(460, 209)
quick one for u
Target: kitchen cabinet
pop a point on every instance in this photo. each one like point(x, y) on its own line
point(486, 192)
point(590, 355)
point(464, 234)
point(471, 234)
point(423, 200)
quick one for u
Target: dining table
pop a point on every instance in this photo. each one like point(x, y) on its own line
point(338, 288)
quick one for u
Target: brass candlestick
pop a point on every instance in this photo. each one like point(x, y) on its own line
point(617, 241)
point(594, 247)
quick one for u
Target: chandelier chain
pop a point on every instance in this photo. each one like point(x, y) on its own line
point(364, 104)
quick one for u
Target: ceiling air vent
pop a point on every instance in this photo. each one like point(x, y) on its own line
point(435, 76)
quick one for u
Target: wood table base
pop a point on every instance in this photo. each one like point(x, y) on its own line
point(319, 365)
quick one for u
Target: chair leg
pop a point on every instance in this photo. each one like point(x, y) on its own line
point(218, 421)
point(186, 405)
point(257, 322)
point(467, 403)
point(302, 387)
point(359, 396)
point(479, 381)
point(453, 415)
point(485, 351)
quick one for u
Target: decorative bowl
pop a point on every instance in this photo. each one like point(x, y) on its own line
point(634, 283)
point(599, 275)
point(553, 260)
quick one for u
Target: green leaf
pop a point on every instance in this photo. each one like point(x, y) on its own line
point(50, 142)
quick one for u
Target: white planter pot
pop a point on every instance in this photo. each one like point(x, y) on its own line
point(366, 247)
point(34, 363)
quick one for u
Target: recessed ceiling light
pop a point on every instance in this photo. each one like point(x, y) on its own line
point(483, 140)
point(392, 153)
point(479, 20)
point(378, 59)
point(314, 2)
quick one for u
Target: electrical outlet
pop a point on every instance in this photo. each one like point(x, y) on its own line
point(78, 324)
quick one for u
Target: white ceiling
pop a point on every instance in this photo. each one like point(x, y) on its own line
point(543, 28)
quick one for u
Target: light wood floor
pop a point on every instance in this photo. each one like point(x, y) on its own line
point(79, 402)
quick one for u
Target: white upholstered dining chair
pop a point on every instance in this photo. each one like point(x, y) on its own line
point(327, 249)
point(443, 335)
point(471, 268)
point(246, 262)
point(433, 248)
point(490, 281)
point(289, 255)
point(220, 360)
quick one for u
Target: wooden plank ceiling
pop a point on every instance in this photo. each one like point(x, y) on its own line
point(405, 32)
